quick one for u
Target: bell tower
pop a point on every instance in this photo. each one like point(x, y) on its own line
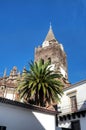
point(53, 51)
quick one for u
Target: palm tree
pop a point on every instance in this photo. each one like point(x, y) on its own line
point(40, 85)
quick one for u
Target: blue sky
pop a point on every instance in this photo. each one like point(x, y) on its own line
point(25, 23)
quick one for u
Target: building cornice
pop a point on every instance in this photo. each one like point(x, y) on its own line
point(27, 106)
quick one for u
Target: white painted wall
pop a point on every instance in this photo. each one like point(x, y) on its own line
point(9, 96)
point(80, 95)
point(80, 89)
point(58, 128)
point(17, 118)
point(83, 123)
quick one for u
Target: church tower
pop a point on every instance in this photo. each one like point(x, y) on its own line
point(53, 51)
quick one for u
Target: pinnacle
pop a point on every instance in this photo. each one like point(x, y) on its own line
point(50, 35)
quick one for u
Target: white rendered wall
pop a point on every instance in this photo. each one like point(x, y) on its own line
point(17, 118)
point(9, 96)
point(80, 90)
point(80, 95)
point(83, 123)
point(47, 121)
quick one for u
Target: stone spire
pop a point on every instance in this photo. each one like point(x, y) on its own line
point(50, 38)
point(50, 35)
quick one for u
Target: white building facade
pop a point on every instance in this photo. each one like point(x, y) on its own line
point(18, 116)
point(73, 107)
